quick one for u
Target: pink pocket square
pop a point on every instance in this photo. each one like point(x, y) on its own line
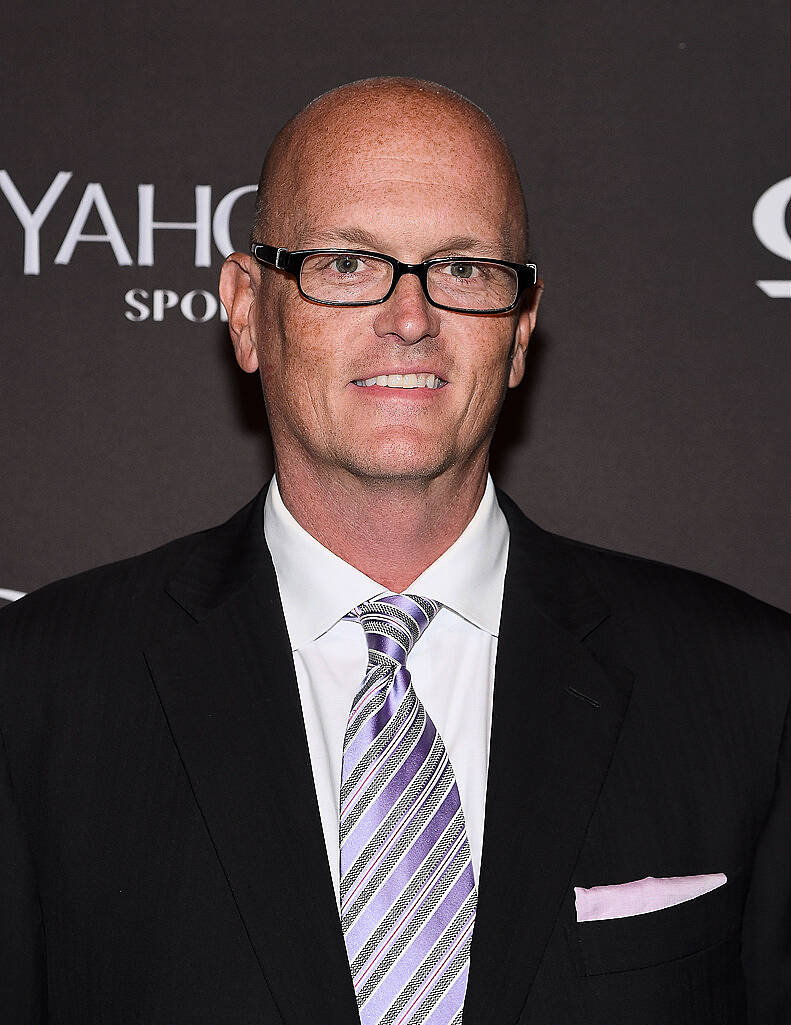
point(622, 900)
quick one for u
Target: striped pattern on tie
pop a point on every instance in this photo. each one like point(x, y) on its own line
point(408, 895)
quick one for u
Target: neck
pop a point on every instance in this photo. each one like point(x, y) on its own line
point(389, 530)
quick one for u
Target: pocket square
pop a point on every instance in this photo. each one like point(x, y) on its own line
point(622, 900)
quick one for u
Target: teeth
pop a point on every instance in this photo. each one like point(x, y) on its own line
point(402, 381)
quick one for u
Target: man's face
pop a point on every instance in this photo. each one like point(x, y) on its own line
point(414, 193)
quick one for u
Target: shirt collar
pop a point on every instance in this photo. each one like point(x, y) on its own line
point(317, 588)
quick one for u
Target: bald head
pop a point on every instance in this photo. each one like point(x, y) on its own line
point(417, 125)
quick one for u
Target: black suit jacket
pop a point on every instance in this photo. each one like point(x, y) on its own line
point(162, 860)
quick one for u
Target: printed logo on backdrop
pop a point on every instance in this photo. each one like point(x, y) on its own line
point(769, 222)
point(211, 226)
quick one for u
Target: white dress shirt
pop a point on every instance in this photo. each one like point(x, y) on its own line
point(452, 664)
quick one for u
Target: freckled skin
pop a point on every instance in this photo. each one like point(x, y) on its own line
point(413, 170)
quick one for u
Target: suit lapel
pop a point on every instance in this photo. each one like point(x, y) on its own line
point(556, 718)
point(228, 688)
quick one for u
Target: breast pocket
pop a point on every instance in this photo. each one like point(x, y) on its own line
point(642, 941)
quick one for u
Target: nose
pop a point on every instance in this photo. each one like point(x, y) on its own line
point(407, 314)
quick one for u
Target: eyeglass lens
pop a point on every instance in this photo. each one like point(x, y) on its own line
point(340, 277)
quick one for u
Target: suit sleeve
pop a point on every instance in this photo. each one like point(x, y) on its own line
point(22, 964)
point(766, 933)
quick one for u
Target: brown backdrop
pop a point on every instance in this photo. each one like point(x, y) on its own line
point(655, 414)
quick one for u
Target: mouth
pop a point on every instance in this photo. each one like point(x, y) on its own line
point(403, 381)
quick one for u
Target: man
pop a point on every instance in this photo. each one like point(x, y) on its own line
point(379, 748)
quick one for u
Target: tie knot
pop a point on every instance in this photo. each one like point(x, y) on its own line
point(394, 622)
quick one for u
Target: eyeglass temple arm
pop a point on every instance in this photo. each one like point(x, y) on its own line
point(528, 275)
point(273, 255)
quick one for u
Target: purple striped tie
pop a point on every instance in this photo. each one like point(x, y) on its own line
point(408, 894)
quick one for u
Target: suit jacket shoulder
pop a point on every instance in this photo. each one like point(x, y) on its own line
point(129, 595)
point(625, 577)
point(671, 604)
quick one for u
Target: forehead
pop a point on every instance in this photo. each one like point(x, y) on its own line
point(407, 173)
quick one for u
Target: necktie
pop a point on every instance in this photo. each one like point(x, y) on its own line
point(407, 890)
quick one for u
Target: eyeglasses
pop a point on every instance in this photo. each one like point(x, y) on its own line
point(355, 277)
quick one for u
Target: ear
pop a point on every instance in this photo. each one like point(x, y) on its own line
point(237, 292)
point(524, 329)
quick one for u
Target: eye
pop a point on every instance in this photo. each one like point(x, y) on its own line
point(461, 270)
point(346, 264)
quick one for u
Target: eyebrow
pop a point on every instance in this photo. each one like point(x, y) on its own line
point(355, 236)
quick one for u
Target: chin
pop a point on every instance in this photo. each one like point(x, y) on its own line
point(398, 462)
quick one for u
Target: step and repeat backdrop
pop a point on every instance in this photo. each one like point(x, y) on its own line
point(652, 140)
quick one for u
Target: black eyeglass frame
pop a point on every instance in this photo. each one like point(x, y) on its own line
point(291, 262)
